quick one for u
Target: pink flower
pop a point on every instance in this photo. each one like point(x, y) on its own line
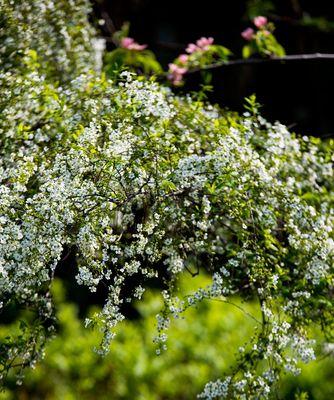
point(175, 79)
point(175, 69)
point(130, 44)
point(260, 21)
point(203, 43)
point(191, 48)
point(248, 34)
point(183, 58)
point(266, 32)
point(176, 74)
point(139, 47)
point(126, 42)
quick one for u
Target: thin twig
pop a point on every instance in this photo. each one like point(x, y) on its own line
point(238, 307)
point(276, 60)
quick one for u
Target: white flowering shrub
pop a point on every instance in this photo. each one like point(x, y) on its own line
point(140, 184)
point(57, 30)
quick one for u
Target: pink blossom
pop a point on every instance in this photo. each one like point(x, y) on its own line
point(191, 48)
point(175, 69)
point(203, 43)
point(266, 32)
point(126, 42)
point(130, 44)
point(139, 47)
point(260, 21)
point(175, 79)
point(176, 74)
point(183, 58)
point(248, 34)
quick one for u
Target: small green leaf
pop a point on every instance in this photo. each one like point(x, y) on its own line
point(246, 51)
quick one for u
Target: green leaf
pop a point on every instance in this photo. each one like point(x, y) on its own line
point(168, 185)
point(246, 51)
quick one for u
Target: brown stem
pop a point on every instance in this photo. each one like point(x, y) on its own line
point(273, 60)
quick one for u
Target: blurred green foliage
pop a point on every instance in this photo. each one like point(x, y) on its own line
point(138, 61)
point(259, 7)
point(143, 61)
point(271, 8)
point(200, 347)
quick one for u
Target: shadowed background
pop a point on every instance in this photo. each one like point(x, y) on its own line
point(298, 93)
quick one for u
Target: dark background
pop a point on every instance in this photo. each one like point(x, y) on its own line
point(298, 93)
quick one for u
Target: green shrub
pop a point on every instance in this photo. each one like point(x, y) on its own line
point(141, 185)
point(202, 346)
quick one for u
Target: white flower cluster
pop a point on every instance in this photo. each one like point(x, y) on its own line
point(57, 29)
